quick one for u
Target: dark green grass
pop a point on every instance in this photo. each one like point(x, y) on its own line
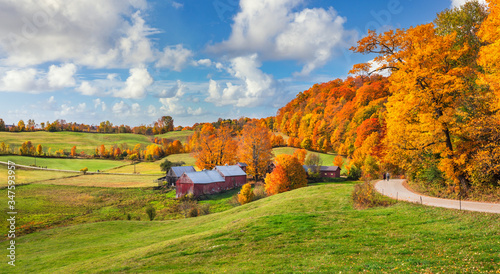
point(313, 229)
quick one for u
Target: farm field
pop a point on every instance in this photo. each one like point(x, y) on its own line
point(187, 158)
point(106, 180)
point(26, 176)
point(312, 229)
point(65, 163)
point(65, 140)
point(152, 168)
point(177, 135)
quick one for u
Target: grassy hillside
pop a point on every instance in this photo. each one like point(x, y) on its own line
point(311, 229)
point(327, 159)
point(26, 176)
point(106, 180)
point(177, 135)
point(66, 140)
point(65, 164)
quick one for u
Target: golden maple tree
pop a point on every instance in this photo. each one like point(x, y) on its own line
point(255, 149)
point(215, 146)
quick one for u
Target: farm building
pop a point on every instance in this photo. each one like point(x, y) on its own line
point(325, 171)
point(233, 175)
point(175, 173)
point(200, 183)
point(242, 166)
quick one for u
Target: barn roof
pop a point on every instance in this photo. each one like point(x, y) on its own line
point(242, 164)
point(179, 170)
point(322, 168)
point(229, 171)
point(205, 177)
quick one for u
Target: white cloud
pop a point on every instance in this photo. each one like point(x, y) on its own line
point(136, 108)
point(24, 80)
point(152, 111)
point(254, 88)
point(121, 109)
point(276, 31)
point(67, 109)
point(135, 85)
point(81, 108)
point(174, 57)
point(195, 112)
point(99, 33)
point(86, 88)
point(204, 62)
point(62, 76)
point(99, 103)
point(458, 3)
point(175, 91)
point(177, 5)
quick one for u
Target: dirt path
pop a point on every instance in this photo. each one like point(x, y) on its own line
point(395, 189)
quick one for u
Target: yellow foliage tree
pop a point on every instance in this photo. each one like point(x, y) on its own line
point(255, 149)
point(338, 161)
point(215, 147)
point(246, 194)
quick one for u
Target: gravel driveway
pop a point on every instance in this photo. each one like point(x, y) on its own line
point(394, 188)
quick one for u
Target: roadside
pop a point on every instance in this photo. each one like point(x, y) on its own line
point(395, 189)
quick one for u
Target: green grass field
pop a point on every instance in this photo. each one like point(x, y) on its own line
point(177, 135)
point(65, 164)
point(313, 229)
point(327, 159)
point(106, 180)
point(65, 140)
point(26, 176)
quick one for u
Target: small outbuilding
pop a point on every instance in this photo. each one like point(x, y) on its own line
point(324, 171)
point(176, 172)
point(234, 176)
point(243, 166)
point(199, 183)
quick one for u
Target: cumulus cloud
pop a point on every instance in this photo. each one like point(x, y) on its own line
point(20, 80)
point(174, 57)
point(86, 88)
point(99, 103)
point(67, 109)
point(122, 109)
point(175, 91)
point(135, 85)
point(177, 5)
point(276, 31)
point(99, 33)
point(458, 3)
point(61, 76)
point(253, 88)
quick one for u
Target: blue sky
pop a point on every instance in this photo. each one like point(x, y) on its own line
point(131, 62)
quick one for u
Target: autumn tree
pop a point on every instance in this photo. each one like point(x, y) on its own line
point(21, 126)
point(2, 125)
point(39, 150)
point(255, 149)
point(300, 154)
point(489, 55)
point(246, 194)
point(338, 161)
point(73, 151)
point(215, 147)
point(288, 175)
point(434, 103)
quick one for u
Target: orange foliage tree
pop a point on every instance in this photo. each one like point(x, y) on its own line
point(255, 149)
point(300, 154)
point(288, 175)
point(215, 147)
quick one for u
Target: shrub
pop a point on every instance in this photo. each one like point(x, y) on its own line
point(129, 217)
point(246, 194)
point(204, 209)
point(365, 196)
point(193, 212)
point(259, 192)
point(151, 212)
point(84, 170)
point(187, 206)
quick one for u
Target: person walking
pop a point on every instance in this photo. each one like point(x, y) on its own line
point(384, 176)
point(387, 176)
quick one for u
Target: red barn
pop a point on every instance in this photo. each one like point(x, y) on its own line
point(325, 171)
point(243, 166)
point(200, 183)
point(234, 176)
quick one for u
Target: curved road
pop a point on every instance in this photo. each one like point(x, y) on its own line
point(395, 189)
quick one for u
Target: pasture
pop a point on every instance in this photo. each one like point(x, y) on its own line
point(65, 163)
point(312, 229)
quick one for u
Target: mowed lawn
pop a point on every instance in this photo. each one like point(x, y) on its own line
point(65, 140)
point(65, 163)
point(313, 229)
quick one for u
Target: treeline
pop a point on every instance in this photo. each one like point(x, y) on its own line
point(162, 125)
point(162, 148)
point(435, 118)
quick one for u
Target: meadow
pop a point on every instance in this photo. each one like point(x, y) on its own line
point(65, 163)
point(326, 158)
point(312, 229)
point(86, 142)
